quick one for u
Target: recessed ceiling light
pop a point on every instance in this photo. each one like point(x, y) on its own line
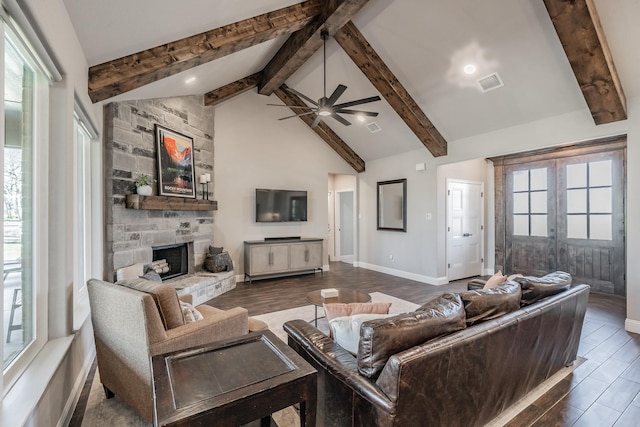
point(360, 117)
point(190, 80)
point(469, 69)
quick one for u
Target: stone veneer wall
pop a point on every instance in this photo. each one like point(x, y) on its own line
point(129, 150)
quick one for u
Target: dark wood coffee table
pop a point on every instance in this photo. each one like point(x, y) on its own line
point(345, 296)
point(232, 382)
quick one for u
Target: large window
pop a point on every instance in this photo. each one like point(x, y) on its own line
point(23, 160)
point(590, 200)
point(530, 202)
point(84, 133)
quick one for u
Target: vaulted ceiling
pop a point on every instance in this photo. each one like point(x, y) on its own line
point(552, 56)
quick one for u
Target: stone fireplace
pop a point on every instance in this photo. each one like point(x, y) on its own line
point(129, 150)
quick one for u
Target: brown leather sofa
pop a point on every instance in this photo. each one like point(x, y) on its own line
point(464, 378)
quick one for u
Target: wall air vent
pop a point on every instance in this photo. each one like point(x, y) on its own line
point(490, 82)
point(373, 127)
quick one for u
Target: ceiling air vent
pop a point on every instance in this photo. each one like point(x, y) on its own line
point(373, 127)
point(490, 82)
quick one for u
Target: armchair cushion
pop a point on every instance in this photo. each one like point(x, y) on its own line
point(165, 297)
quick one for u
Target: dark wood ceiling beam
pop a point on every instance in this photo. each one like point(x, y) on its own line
point(302, 44)
point(133, 71)
point(370, 63)
point(322, 130)
point(580, 32)
point(225, 92)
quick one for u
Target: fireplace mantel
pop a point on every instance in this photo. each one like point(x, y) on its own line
point(136, 201)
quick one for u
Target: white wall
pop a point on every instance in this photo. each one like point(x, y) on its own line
point(253, 149)
point(633, 217)
point(414, 252)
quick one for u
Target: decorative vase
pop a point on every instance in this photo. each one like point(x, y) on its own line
point(144, 190)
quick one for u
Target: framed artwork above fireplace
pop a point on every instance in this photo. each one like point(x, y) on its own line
point(175, 163)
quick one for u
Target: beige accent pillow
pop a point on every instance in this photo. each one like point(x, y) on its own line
point(131, 272)
point(165, 297)
point(495, 280)
point(331, 311)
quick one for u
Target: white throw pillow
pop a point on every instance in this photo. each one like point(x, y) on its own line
point(190, 313)
point(346, 329)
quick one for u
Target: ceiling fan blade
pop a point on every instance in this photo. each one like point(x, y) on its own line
point(364, 113)
point(336, 94)
point(303, 96)
point(316, 121)
point(341, 120)
point(292, 106)
point(357, 102)
point(298, 115)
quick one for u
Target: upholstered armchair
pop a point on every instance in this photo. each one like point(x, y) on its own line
point(136, 319)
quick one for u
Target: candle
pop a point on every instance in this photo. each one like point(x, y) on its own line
point(203, 179)
point(208, 175)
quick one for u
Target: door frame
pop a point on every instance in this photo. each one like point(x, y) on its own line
point(481, 227)
point(338, 225)
point(500, 163)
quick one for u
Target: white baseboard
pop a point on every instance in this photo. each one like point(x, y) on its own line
point(404, 274)
point(74, 397)
point(325, 267)
point(631, 325)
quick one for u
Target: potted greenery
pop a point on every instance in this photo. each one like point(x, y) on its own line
point(143, 185)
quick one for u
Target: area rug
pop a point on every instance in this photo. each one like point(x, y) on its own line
point(276, 319)
point(102, 412)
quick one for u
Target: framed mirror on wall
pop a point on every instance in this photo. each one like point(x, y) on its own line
point(392, 205)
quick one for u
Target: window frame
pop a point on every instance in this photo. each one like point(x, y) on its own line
point(40, 242)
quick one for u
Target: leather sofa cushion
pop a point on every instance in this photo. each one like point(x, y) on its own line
point(382, 338)
point(165, 297)
point(486, 304)
point(537, 288)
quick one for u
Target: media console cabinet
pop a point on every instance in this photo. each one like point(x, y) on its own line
point(281, 257)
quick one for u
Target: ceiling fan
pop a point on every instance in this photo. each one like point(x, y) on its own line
point(326, 107)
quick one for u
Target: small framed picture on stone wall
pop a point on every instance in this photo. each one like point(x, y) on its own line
point(175, 163)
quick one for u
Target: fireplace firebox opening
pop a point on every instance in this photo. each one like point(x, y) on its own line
point(176, 258)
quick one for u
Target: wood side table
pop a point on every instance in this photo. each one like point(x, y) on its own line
point(232, 382)
point(345, 296)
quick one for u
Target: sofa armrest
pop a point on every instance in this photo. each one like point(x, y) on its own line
point(334, 359)
point(216, 326)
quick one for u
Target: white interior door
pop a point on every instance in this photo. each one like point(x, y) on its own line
point(345, 226)
point(465, 230)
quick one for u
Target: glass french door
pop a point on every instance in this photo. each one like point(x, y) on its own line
point(568, 214)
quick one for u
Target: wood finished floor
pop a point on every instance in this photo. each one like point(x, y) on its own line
point(603, 391)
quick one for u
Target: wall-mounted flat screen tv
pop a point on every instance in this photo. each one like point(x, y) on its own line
point(281, 205)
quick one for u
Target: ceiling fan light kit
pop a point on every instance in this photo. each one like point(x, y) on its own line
point(326, 107)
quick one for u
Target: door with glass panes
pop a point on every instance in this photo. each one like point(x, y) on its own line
point(568, 214)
